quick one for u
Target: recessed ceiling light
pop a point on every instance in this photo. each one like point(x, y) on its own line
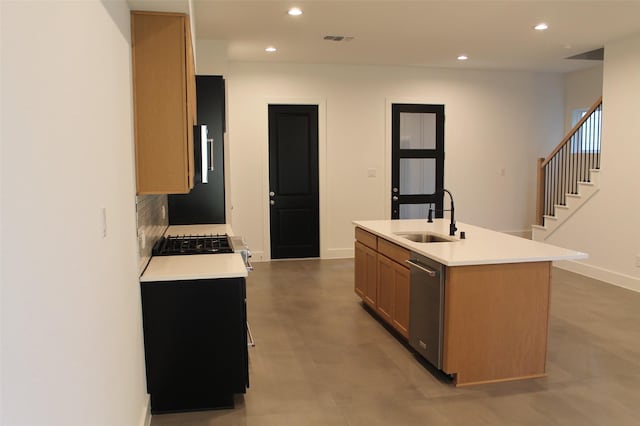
point(463, 57)
point(541, 27)
point(294, 11)
point(270, 49)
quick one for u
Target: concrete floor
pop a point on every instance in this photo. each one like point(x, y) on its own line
point(322, 360)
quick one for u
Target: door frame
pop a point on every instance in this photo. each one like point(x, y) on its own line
point(388, 143)
point(322, 175)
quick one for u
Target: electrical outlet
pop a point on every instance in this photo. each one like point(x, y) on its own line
point(371, 172)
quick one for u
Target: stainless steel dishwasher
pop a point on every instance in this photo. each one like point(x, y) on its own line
point(426, 308)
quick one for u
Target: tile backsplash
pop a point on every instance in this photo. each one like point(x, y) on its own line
point(152, 220)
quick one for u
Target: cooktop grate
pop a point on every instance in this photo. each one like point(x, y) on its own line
point(192, 244)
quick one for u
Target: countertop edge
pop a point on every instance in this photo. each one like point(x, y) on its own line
point(194, 267)
point(192, 277)
point(475, 247)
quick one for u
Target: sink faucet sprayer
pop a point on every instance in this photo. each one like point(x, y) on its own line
point(452, 225)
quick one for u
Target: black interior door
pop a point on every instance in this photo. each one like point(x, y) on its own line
point(293, 181)
point(417, 169)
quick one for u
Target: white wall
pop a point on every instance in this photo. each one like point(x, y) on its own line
point(494, 121)
point(212, 57)
point(72, 351)
point(607, 226)
point(581, 89)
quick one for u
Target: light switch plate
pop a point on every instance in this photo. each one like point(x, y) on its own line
point(104, 222)
point(142, 240)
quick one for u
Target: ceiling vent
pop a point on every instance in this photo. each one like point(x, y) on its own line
point(592, 55)
point(337, 38)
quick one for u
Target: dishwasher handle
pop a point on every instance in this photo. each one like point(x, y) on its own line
point(430, 272)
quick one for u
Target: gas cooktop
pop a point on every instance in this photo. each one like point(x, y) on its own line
point(192, 244)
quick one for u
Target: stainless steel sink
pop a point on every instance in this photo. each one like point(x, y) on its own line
point(423, 237)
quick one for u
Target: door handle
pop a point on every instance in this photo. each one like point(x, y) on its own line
point(430, 272)
point(210, 151)
point(394, 198)
point(272, 202)
point(204, 153)
point(272, 194)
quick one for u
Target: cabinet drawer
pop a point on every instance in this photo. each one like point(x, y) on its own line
point(393, 252)
point(367, 238)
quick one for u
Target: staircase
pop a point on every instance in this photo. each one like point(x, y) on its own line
point(569, 176)
point(573, 203)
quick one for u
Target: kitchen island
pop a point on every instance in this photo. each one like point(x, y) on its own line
point(495, 294)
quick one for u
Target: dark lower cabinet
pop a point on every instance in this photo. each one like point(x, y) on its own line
point(195, 341)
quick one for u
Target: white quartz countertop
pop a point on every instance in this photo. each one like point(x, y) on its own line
point(195, 266)
point(481, 246)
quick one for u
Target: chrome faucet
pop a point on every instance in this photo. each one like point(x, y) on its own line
point(452, 225)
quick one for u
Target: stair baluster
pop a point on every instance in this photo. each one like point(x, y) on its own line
point(569, 163)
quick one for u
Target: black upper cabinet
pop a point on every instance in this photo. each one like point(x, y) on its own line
point(205, 202)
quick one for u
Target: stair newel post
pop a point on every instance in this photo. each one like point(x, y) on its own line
point(540, 193)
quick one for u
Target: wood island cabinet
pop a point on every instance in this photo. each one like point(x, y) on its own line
point(401, 300)
point(382, 279)
point(484, 310)
point(393, 282)
point(495, 316)
point(366, 274)
point(386, 278)
point(164, 101)
point(496, 320)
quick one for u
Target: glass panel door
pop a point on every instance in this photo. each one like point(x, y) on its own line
point(417, 160)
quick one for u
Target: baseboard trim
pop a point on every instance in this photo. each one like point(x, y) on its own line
point(258, 256)
point(601, 274)
point(145, 419)
point(342, 253)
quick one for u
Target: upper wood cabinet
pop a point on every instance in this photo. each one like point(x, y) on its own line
point(164, 100)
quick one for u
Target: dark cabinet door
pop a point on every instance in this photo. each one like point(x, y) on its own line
point(206, 201)
point(195, 343)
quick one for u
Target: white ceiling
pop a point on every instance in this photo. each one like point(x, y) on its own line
point(425, 33)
